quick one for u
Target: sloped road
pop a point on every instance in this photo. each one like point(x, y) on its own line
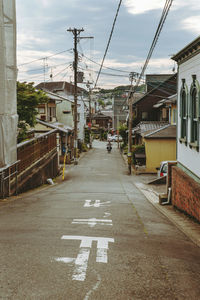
point(94, 236)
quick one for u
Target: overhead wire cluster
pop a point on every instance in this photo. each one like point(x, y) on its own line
point(108, 44)
point(165, 11)
point(84, 60)
point(38, 73)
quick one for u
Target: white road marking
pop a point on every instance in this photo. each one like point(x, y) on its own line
point(97, 203)
point(81, 261)
point(65, 260)
point(92, 222)
point(107, 214)
point(81, 264)
point(102, 256)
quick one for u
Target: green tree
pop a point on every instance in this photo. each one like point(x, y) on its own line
point(28, 98)
point(101, 102)
point(123, 132)
point(109, 102)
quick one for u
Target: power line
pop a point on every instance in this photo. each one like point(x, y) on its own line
point(108, 43)
point(41, 69)
point(41, 75)
point(109, 74)
point(117, 70)
point(61, 71)
point(165, 11)
point(30, 62)
point(167, 6)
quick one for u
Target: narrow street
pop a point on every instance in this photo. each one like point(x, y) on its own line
point(94, 236)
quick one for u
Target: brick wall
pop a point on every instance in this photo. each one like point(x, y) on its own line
point(185, 193)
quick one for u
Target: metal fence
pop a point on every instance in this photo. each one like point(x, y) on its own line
point(31, 151)
point(8, 180)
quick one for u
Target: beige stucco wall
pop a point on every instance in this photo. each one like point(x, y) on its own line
point(158, 150)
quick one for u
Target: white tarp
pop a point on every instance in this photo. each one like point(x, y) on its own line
point(8, 75)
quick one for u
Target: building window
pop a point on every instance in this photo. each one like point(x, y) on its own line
point(194, 113)
point(184, 116)
point(41, 110)
point(174, 121)
point(51, 113)
point(144, 115)
point(183, 112)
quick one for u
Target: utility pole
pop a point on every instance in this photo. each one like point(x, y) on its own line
point(90, 112)
point(130, 99)
point(44, 68)
point(76, 32)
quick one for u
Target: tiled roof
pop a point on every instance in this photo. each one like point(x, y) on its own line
point(166, 88)
point(100, 116)
point(168, 131)
point(54, 96)
point(56, 86)
point(56, 125)
point(169, 100)
point(148, 126)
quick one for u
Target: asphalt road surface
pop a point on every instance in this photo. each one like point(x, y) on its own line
point(93, 236)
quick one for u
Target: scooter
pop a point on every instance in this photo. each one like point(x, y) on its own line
point(109, 148)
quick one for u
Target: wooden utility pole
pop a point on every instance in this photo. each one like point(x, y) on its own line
point(90, 112)
point(130, 99)
point(76, 33)
point(90, 118)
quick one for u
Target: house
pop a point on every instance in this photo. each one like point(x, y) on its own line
point(100, 120)
point(138, 135)
point(119, 114)
point(156, 114)
point(145, 127)
point(58, 108)
point(154, 80)
point(186, 175)
point(143, 108)
point(167, 109)
point(64, 110)
point(160, 145)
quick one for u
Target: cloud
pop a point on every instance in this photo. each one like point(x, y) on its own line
point(192, 24)
point(30, 41)
point(142, 6)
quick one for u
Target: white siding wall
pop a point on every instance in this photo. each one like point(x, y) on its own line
point(66, 119)
point(82, 120)
point(190, 158)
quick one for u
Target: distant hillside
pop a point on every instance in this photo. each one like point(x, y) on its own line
point(121, 89)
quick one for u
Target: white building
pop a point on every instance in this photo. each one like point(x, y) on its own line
point(186, 176)
point(64, 108)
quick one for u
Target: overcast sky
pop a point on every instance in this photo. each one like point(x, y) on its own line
point(42, 32)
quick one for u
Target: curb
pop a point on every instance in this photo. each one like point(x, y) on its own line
point(190, 228)
point(186, 225)
point(58, 180)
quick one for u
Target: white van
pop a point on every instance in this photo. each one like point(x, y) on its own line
point(163, 170)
